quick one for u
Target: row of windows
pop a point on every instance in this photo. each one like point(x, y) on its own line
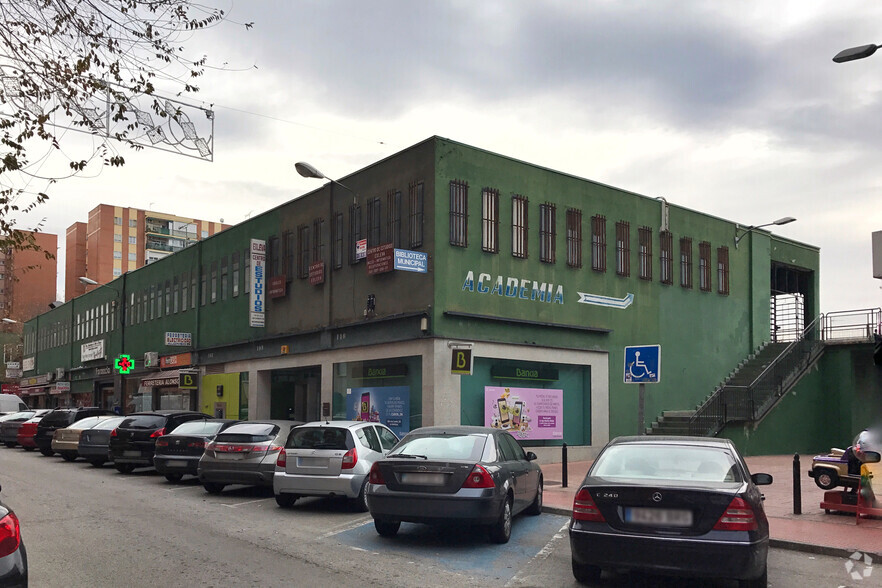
point(490, 222)
point(117, 238)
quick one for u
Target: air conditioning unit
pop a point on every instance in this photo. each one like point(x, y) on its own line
point(151, 359)
point(59, 373)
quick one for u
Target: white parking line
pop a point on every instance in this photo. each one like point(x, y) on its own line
point(543, 554)
point(175, 489)
point(349, 526)
point(238, 504)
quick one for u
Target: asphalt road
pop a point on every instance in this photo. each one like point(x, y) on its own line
point(94, 527)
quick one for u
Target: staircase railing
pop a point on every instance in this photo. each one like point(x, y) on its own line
point(731, 403)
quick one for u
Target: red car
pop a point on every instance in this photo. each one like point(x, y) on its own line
point(26, 434)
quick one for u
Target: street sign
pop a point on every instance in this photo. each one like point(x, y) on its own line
point(643, 364)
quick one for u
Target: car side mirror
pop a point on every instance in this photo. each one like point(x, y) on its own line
point(761, 479)
point(531, 456)
point(872, 457)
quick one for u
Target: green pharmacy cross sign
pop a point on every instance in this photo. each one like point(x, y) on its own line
point(124, 364)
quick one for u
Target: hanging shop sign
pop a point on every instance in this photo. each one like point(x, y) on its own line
point(526, 413)
point(92, 350)
point(178, 339)
point(187, 380)
point(461, 362)
point(258, 284)
point(124, 364)
point(380, 259)
point(411, 261)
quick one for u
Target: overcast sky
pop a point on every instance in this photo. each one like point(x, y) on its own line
point(731, 108)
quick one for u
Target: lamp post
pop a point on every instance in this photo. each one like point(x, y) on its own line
point(781, 221)
point(854, 53)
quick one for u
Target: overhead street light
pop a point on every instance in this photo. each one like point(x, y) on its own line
point(781, 221)
point(10, 321)
point(855, 53)
point(88, 281)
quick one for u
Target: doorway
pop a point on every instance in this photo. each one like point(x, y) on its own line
point(296, 394)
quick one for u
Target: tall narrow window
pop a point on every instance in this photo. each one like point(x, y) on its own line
point(686, 262)
point(175, 295)
point(338, 240)
point(290, 261)
point(704, 266)
point(193, 290)
point(598, 243)
point(236, 273)
point(185, 291)
point(354, 232)
point(666, 257)
point(318, 245)
point(623, 248)
point(159, 300)
point(644, 236)
point(393, 220)
point(519, 226)
point(303, 257)
point(416, 205)
point(574, 237)
point(274, 256)
point(167, 297)
point(375, 222)
point(246, 258)
point(459, 215)
point(490, 220)
point(214, 280)
point(224, 278)
point(723, 270)
point(547, 232)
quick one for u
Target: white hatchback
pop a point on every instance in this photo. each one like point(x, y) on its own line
point(330, 458)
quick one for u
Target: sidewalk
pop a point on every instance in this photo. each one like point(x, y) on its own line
point(812, 531)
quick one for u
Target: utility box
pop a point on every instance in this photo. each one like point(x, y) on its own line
point(877, 254)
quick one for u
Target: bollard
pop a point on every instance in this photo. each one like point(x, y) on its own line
point(797, 488)
point(563, 466)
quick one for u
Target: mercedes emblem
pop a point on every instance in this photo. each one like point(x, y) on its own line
point(656, 497)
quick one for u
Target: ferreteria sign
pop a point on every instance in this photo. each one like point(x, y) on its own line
point(511, 287)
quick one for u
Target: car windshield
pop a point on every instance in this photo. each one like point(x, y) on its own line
point(58, 418)
point(441, 446)
point(250, 433)
point(679, 463)
point(86, 423)
point(197, 428)
point(318, 438)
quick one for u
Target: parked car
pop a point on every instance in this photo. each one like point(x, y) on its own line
point(133, 442)
point(66, 441)
point(683, 506)
point(10, 403)
point(10, 426)
point(27, 432)
point(94, 443)
point(13, 555)
point(243, 454)
point(58, 419)
point(178, 453)
point(330, 459)
point(438, 475)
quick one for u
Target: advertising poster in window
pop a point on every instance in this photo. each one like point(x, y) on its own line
point(389, 405)
point(526, 413)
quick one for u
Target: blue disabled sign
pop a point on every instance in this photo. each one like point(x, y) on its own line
point(643, 364)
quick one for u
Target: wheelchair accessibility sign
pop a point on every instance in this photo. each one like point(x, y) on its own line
point(643, 364)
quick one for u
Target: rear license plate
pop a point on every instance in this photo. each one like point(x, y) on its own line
point(229, 456)
point(422, 479)
point(176, 463)
point(131, 454)
point(312, 462)
point(659, 517)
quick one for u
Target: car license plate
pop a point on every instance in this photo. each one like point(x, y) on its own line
point(312, 462)
point(229, 456)
point(422, 479)
point(660, 517)
point(131, 454)
point(176, 463)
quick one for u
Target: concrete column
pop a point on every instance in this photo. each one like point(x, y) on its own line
point(259, 383)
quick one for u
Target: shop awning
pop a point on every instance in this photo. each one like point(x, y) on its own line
point(159, 379)
point(33, 391)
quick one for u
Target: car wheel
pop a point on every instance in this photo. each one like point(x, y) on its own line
point(10, 444)
point(69, 456)
point(286, 500)
point(500, 531)
point(761, 582)
point(97, 462)
point(125, 468)
point(174, 477)
point(387, 528)
point(585, 573)
point(360, 502)
point(213, 487)
point(47, 452)
point(535, 507)
point(826, 479)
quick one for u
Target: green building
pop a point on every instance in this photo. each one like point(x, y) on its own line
point(447, 284)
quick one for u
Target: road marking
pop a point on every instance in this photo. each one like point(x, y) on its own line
point(184, 488)
point(349, 526)
point(238, 504)
point(543, 554)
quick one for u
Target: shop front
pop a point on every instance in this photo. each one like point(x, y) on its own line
point(161, 390)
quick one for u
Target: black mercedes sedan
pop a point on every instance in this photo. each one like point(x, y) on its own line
point(133, 441)
point(680, 506)
point(13, 556)
point(439, 475)
point(178, 453)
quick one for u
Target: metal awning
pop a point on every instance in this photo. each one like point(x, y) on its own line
point(161, 379)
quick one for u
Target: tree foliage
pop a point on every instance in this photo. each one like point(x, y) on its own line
point(81, 65)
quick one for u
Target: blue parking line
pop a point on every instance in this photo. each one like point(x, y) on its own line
point(462, 549)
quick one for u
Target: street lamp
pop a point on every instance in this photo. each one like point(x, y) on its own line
point(855, 53)
point(781, 221)
point(9, 321)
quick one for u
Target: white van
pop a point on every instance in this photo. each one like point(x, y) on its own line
point(10, 403)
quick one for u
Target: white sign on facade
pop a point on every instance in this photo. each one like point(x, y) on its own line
point(13, 365)
point(178, 339)
point(92, 350)
point(258, 283)
point(361, 249)
point(28, 364)
point(13, 372)
point(62, 387)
